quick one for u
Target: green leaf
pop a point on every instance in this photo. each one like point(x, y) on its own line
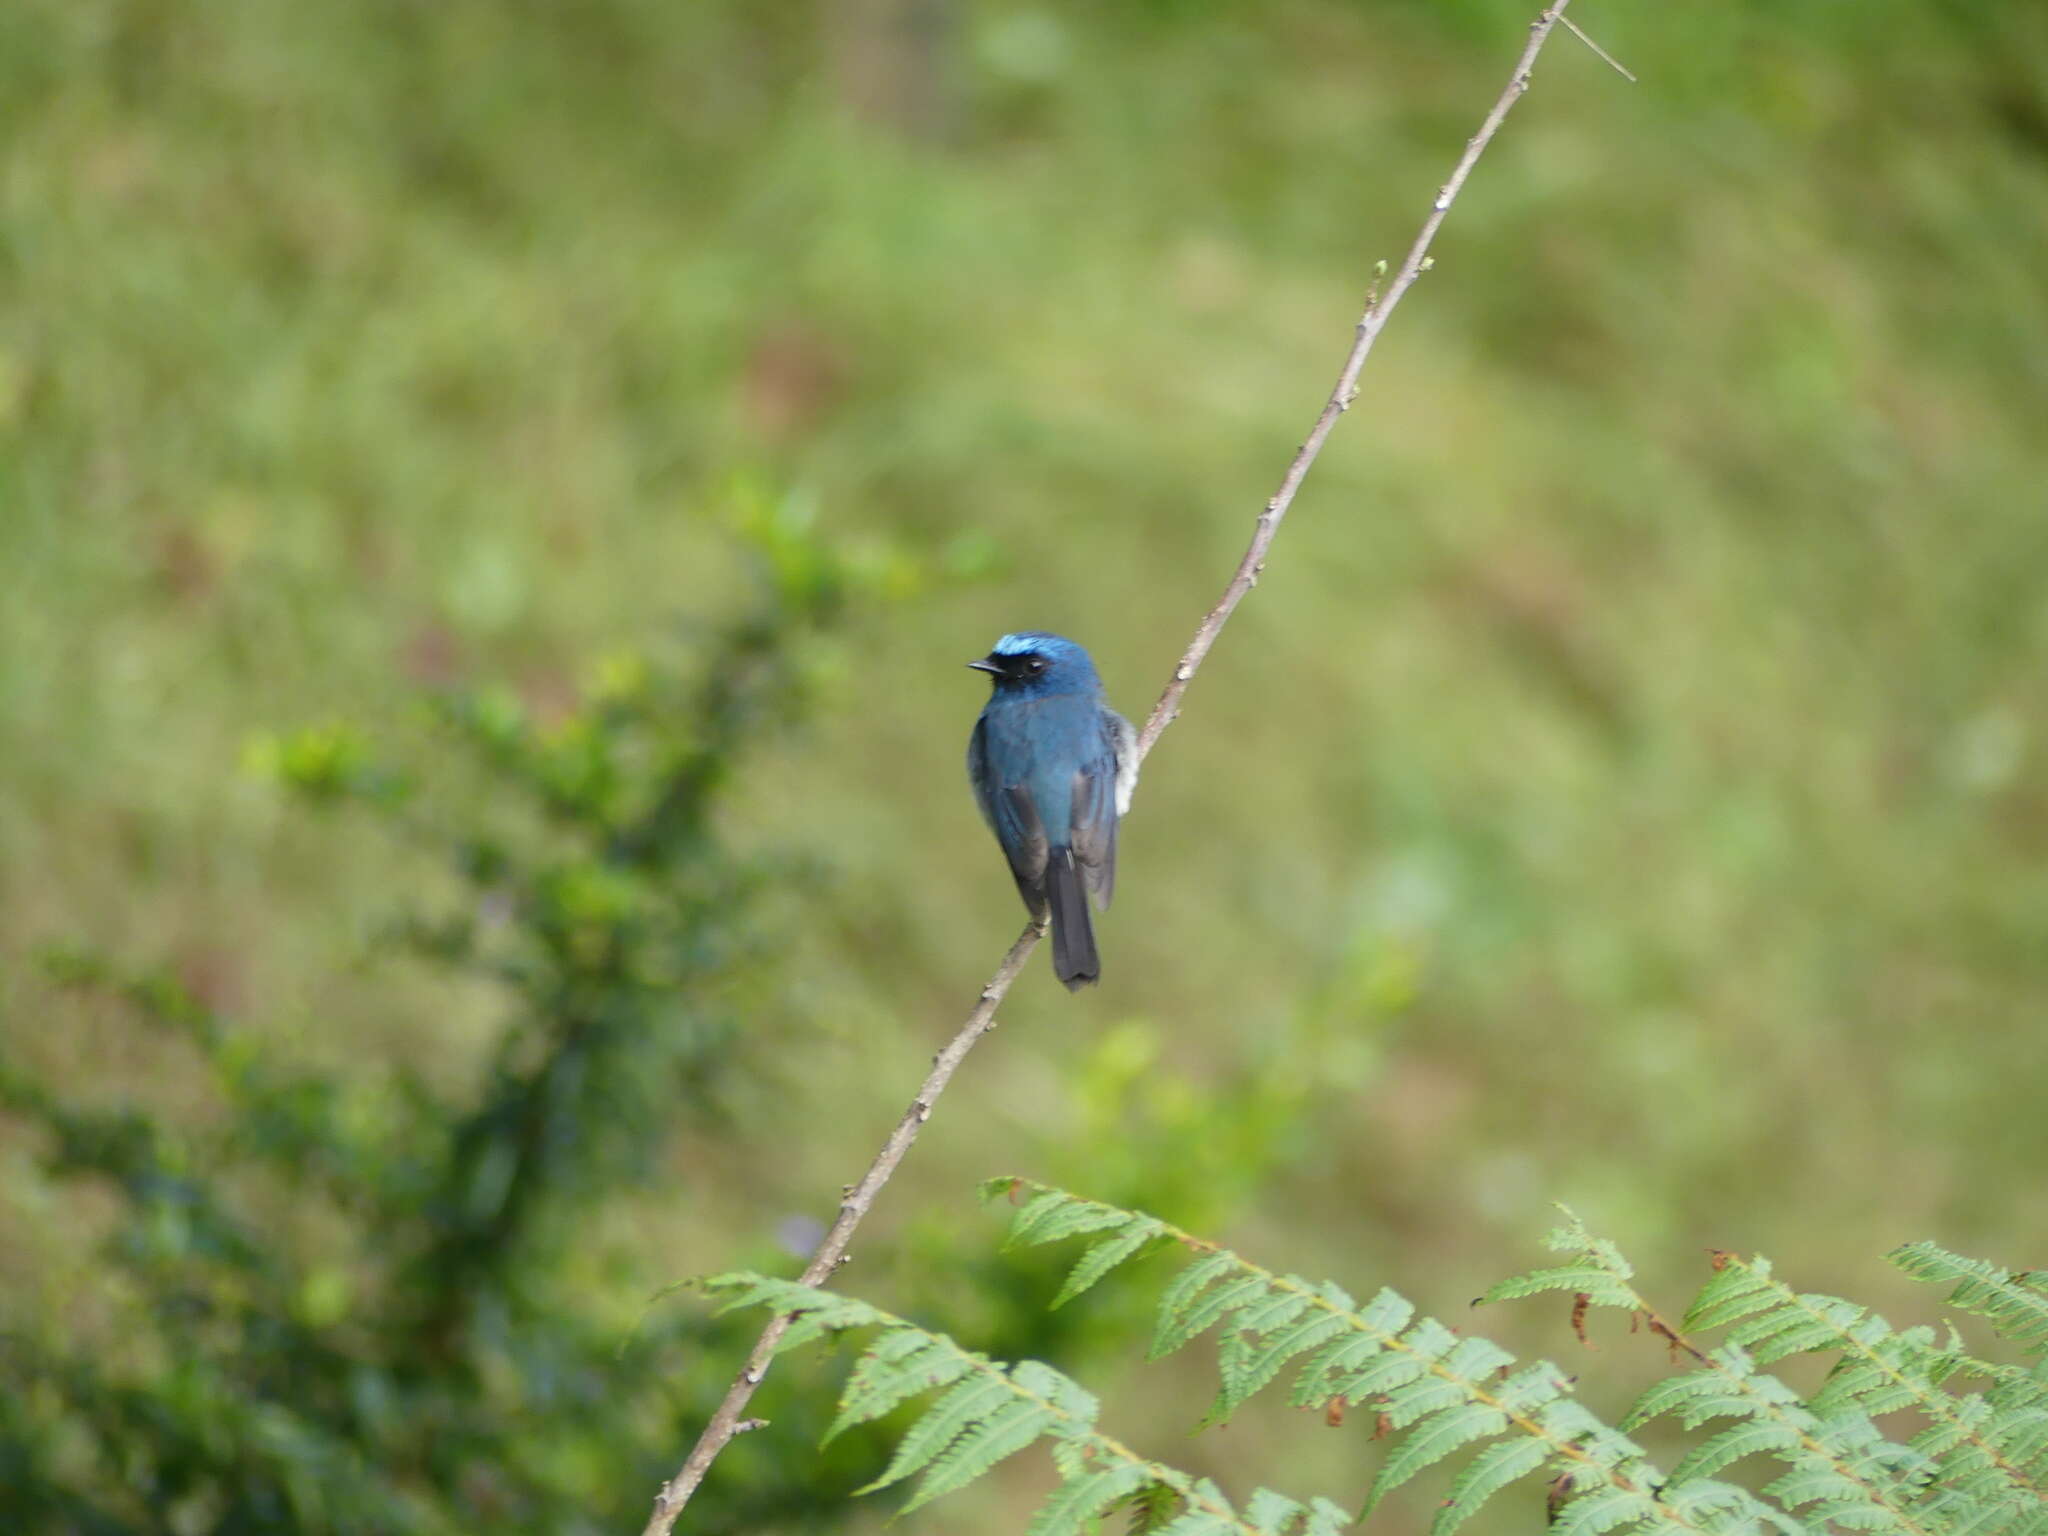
point(1813, 1481)
point(898, 1365)
point(1864, 1385)
point(1378, 1326)
point(1696, 1397)
point(1272, 1513)
point(1414, 1401)
point(1199, 1522)
point(1698, 1501)
point(1569, 1419)
point(1575, 1238)
point(804, 1328)
point(1584, 1278)
point(1074, 1505)
point(1317, 1383)
point(1243, 1349)
point(1476, 1358)
point(1732, 1292)
point(1266, 1358)
point(1073, 1404)
point(1531, 1387)
point(1749, 1438)
point(1282, 1305)
point(970, 1402)
point(1992, 1517)
point(1774, 1335)
point(1203, 1313)
point(1388, 1313)
point(1056, 1214)
point(1186, 1286)
point(1386, 1371)
point(1602, 1510)
point(1009, 1429)
point(1488, 1473)
point(1429, 1339)
point(1104, 1256)
point(1432, 1440)
point(2015, 1304)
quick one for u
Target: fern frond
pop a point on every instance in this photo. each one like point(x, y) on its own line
point(1598, 1270)
point(1733, 1293)
point(1104, 1256)
point(1444, 1431)
point(1052, 1215)
point(1277, 1515)
point(1045, 1398)
point(988, 1411)
point(826, 1309)
point(1384, 1316)
point(1150, 1509)
point(1257, 1361)
point(2016, 1304)
point(969, 1405)
point(1607, 1510)
point(1199, 1521)
point(896, 1367)
point(1446, 1390)
point(1692, 1399)
point(1206, 1310)
point(1965, 1463)
point(1841, 1470)
point(1186, 1286)
point(1503, 1462)
point(1746, 1438)
point(1075, 1504)
point(1882, 1370)
point(1861, 1480)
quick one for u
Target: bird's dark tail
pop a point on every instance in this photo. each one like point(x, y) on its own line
point(1074, 959)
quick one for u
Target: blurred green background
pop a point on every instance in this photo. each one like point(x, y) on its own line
point(1625, 786)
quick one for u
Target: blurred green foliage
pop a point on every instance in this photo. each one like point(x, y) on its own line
point(1625, 786)
point(356, 1301)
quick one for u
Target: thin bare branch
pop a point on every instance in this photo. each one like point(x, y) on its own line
point(1601, 53)
point(1370, 325)
point(728, 1421)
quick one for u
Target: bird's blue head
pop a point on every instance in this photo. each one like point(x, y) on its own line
point(1034, 662)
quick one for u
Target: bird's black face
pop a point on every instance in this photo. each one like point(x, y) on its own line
point(1022, 667)
point(1033, 662)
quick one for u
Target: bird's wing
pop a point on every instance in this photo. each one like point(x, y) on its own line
point(1024, 839)
point(1102, 793)
point(1013, 816)
point(980, 775)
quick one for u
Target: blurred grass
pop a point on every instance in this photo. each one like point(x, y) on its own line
point(1631, 765)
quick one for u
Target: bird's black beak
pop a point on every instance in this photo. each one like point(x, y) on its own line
point(987, 664)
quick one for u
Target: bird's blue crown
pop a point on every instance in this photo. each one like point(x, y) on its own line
point(1033, 642)
point(1034, 661)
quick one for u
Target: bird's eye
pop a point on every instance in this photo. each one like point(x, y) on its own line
point(1035, 665)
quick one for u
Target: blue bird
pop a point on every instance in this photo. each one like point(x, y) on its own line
point(1053, 767)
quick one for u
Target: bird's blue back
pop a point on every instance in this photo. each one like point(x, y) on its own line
point(1038, 741)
